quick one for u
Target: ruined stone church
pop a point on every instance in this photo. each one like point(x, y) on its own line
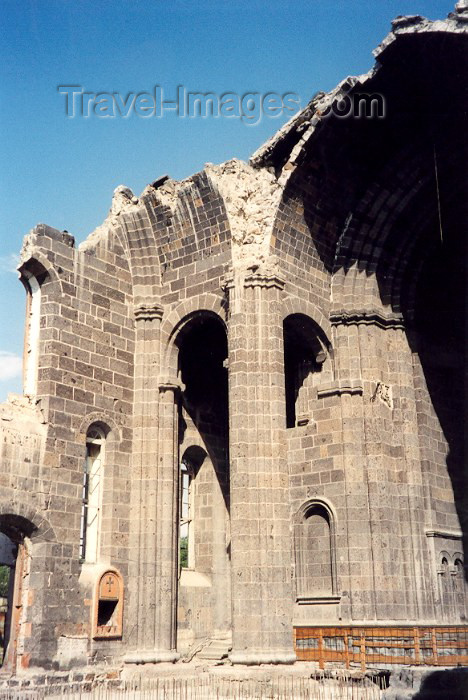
point(242, 425)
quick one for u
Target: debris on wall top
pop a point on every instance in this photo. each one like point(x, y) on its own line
point(251, 198)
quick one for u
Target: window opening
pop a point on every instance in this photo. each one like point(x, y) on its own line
point(91, 497)
point(186, 545)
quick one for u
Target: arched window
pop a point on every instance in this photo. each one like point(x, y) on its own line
point(443, 569)
point(459, 582)
point(315, 553)
point(445, 585)
point(305, 354)
point(458, 564)
point(31, 334)
point(92, 495)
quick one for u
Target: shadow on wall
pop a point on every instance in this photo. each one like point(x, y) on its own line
point(440, 322)
point(202, 355)
point(399, 205)
point(414, 684)
point(444, 684)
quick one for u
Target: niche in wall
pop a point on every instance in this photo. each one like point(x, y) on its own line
point(108, 606)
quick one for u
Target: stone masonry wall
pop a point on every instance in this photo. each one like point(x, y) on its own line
point(84, 375)
point(326, 229)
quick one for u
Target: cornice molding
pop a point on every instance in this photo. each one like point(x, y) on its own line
point(318, 599)
point(370, 317)
point(340, 387)
point(264, 279)
point(447, 535)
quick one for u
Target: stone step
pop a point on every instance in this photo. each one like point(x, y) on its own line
point(216, 650)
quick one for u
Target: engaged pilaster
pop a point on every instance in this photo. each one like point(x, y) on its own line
point(261, 541)
point(152, 589)
point(167, 520)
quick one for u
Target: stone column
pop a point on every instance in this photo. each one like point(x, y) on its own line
point(167, 521)
point(152, 633)
point(260, 522)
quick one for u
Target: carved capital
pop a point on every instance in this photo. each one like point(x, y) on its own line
point(263, 278)
point(262, 274)
point(148, 311)
point(170, 384)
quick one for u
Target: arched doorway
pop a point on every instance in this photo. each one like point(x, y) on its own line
point(14, 571)
point(8, 553)
point(204, 533)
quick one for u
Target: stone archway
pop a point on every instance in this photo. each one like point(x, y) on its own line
point(203, 436)
point(14, 565)
point(8, 553)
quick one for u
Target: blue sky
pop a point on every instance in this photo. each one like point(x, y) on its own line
point(62, 171)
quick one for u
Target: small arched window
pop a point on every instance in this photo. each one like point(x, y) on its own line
point(91, 505)
point(444, 565)
point(459, 571)
point(315, 552)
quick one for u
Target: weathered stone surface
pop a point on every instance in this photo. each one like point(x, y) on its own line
point(289, 330)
